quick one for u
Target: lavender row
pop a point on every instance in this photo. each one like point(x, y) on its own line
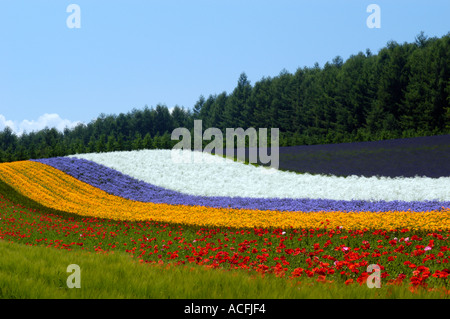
point(409, 157)
point(118, 184)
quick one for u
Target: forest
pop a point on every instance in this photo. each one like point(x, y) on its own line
point(402, 91)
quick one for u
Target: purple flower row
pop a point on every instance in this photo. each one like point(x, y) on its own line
point(407, 157)
point(116, 183)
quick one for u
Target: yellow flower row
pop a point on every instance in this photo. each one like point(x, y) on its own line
point(56, 189)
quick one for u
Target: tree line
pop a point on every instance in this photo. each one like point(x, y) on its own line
point(403, 91)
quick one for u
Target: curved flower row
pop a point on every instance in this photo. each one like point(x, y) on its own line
point(208, 175)
point(56, 189)
point(116, 183)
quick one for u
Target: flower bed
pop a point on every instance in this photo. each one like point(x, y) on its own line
point(116, 183)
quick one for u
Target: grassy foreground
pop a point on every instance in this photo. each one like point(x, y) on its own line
point(39, 272)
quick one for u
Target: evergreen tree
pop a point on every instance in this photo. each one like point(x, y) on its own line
point(147, 143)
point(137, 143)
point(111, 143)
point(217, 111)
point(237, 111)
point(198, 107)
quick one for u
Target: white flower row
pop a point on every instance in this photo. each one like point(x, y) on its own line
point(210, 175)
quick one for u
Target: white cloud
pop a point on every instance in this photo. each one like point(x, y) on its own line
point(47, 120)
point(4, 123)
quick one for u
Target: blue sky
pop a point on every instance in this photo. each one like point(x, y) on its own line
point(128, 54)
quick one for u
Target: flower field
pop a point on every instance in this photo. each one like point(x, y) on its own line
point(224, 177)
point(227, 215)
